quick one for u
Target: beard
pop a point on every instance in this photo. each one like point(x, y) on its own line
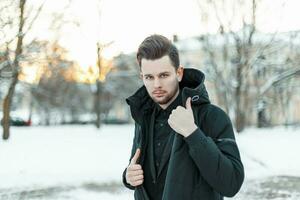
point(166, 97)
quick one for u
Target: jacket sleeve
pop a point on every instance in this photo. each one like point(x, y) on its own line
point(135, 145)
point(216, 153)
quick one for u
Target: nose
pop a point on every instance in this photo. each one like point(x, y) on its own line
point(157, 83)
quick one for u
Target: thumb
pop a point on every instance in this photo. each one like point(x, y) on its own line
point(136, 156)
point(188, 105)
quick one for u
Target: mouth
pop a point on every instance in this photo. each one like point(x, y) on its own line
point(159, 93)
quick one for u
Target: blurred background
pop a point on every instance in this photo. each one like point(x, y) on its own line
point(66, 67)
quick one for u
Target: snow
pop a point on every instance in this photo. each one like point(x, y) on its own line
point(64, 154)
point(267, 152)
point(40, 157)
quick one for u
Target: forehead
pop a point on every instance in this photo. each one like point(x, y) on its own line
point(157, 66)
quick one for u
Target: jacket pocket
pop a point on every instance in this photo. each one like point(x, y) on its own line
point(178, 191)
point(183, 170)
point(203, 191)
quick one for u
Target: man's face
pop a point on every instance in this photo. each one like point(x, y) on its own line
point(161, 80)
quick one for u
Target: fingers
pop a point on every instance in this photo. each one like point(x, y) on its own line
point(136, 156)
point(170, 122)
point(188, 104)
point(136, 178)
point(137, 183)
point(133, 167)
point(134, 172)
point(135, 175)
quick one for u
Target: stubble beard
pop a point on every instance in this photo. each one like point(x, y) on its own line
point(167, 98)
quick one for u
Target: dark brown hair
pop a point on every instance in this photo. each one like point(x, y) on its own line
point(155, 47)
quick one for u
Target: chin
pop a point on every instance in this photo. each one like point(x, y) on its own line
point(162, 101)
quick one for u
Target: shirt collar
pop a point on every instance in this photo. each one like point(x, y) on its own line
point(172, 106)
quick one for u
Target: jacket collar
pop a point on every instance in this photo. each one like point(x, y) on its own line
point(192, 85)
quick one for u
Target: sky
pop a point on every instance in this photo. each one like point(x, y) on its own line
point(126, 23)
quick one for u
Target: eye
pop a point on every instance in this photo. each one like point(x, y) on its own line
point(148, 77)
point(164, 75)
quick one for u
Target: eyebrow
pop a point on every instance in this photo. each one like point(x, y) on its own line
point(158, 74)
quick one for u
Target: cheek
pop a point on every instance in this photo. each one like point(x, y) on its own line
point(148, 86)
point(172, 84)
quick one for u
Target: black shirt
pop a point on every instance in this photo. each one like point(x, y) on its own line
point(159, 150)
point(162, 130)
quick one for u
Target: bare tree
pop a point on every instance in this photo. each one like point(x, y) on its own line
point(98, 92)
point(101, 69)
point(99, 82)
point(234, 56)
point(57, 96)
point(16, 64)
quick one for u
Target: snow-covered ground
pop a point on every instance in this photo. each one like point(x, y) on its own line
point(81, 162)
point(267, 152)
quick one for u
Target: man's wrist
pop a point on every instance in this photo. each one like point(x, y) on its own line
point(190, 130)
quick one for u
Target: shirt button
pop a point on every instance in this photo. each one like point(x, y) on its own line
point(158, 144)
point(161, 124)
point(157, 164)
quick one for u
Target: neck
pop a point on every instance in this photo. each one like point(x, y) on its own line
point(164, 106)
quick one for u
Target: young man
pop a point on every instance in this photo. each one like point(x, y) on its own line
point(184, 147)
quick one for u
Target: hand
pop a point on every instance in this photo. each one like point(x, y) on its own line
point(181, 119)
point(134, 173)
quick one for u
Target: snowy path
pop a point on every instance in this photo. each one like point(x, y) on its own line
point(276, 188)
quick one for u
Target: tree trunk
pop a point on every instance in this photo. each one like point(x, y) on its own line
point(98, 104)
point(261, 114)
point(47, 117)
point(239, 115)
point(11, 90)
point(6, 107)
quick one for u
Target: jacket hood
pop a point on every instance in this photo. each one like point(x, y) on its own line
point(192, 85)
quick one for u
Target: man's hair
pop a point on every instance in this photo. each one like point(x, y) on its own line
point(155, 47)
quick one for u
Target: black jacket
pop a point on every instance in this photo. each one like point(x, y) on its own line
point(204, 166)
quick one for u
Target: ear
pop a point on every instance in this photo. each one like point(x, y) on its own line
point(179, 73)
point(141, 75)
